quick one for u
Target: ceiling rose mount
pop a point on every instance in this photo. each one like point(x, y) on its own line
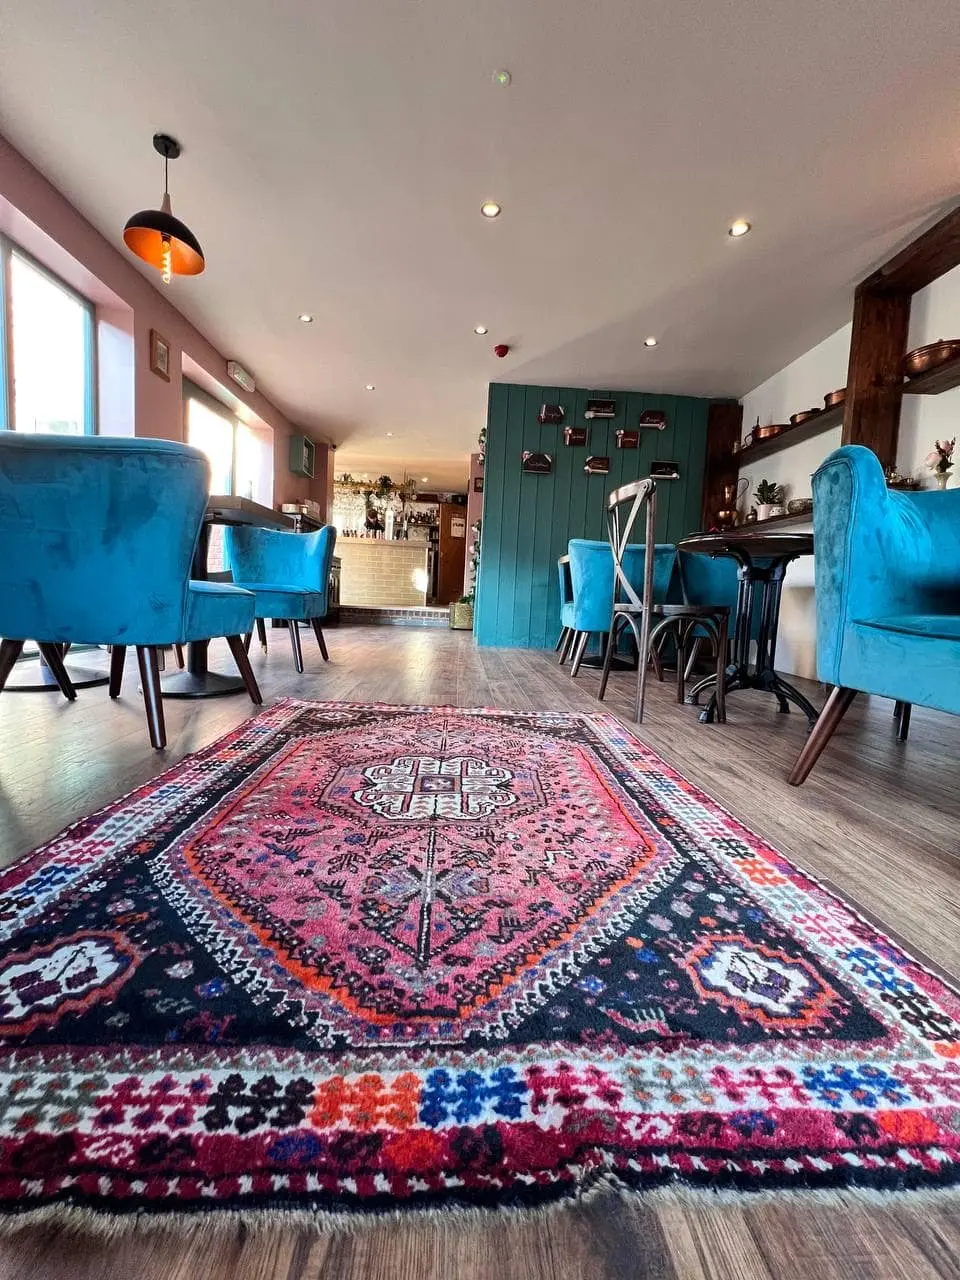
point(156, 236)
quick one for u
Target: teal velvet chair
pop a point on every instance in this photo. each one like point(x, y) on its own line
point(591, 577)
point(289, 573)
point(97, 537)
point(887, 572)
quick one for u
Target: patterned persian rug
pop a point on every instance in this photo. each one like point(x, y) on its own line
point(362, 958)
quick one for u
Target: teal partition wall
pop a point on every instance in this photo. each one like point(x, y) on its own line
point(528, 519)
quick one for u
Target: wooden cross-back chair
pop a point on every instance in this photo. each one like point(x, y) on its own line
point(638, 611)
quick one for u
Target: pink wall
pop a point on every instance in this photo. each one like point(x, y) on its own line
point(37, 216)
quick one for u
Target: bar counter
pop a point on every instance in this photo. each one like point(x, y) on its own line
point(376, 572)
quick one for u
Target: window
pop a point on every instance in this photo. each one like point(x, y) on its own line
point(49, 344)
point(240, 456)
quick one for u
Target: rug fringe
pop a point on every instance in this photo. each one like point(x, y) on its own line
point(214, 1226)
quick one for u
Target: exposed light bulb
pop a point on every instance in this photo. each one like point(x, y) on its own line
point(166, 259)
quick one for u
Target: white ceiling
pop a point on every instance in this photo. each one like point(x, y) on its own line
point(336, 154)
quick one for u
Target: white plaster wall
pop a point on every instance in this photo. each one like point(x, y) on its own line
point(935, 313)
point(801, 385)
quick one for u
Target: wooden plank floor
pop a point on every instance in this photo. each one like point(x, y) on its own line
point(879, 819)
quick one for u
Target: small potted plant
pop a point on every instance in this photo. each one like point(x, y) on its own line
point(940, 460)
point(769, 498)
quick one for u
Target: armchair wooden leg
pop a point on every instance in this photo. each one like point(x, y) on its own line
point(239, 652)
point(262, 633)
point(318, 632)
point(579, 650)
point(561, 638)
point(833, 712)
point(901, 719)
point(9, 652)
point(117, 655)
point(149, 665)
point(178, 650)
point(293, 626)
point(53, 657)
point(568, 637)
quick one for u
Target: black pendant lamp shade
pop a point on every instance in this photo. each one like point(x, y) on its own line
point(159, 238)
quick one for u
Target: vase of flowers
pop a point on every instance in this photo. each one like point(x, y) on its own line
point(940, 461)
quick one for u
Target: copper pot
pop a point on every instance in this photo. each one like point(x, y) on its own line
point(768, 432)
point(924, 358)
point(834, 398)
point(805, 416)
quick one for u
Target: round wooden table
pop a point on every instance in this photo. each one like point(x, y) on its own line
point(762, 558)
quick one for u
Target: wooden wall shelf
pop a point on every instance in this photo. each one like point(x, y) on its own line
point(944, 377)
point(793, 435)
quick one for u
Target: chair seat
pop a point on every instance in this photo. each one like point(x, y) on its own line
point(275, 600)
point(217, 609)
point(931, 626)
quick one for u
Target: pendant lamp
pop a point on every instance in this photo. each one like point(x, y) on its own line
point(159, 238)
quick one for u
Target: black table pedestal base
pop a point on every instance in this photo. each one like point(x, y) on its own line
point(766, 681)
point(186, 684)
point(35, 676)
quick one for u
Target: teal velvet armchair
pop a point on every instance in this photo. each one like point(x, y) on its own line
point(97, 537)
point(289, 573)
point(887, 571)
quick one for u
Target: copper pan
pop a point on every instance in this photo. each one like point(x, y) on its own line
point(805, 416)
point(835, 398)
point(768, 432)
point(924, 358)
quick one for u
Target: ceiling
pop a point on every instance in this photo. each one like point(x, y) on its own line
point(336, 156)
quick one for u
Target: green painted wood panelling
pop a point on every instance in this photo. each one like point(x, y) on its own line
point(529, 519)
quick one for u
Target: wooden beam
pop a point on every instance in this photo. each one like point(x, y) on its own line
point(871, 414)
point(935, 252)
point(724, 423)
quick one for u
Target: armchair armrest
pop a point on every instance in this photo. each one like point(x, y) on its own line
point(877, 553)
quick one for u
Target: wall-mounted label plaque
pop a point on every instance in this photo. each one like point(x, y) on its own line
point(540, 464)
point(595, 466)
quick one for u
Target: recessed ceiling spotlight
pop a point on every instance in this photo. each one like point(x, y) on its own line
point(424, 479)
point(370, 387)
point(305, 317)
point(481, 329)
point(502, 77)
point(389, 433)
point(490, 209)
point(650, 342)
point(738, 228)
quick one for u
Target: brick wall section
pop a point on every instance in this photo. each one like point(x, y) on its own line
point(381, 573)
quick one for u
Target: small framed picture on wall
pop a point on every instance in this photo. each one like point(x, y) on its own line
point(159, 355)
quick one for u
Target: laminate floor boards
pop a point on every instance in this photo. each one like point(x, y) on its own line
point(878, 819)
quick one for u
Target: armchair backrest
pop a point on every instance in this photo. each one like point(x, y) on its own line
point(283, 559)
point(97, 535)
point(877, 553)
